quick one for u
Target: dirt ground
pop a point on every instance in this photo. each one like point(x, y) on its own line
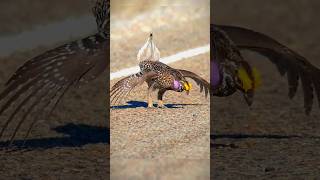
point(169, 143)
point(273, 139)
point(72, 143)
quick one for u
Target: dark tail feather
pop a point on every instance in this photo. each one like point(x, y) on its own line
point(101, 11)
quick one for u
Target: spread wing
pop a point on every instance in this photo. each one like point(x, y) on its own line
point(43, 80)
point(124, 86)
point(39, 84)
point(287, 61)
point(202, 83)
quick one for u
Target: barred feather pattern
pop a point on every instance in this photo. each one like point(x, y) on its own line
point(101, 12)
point(39, 84)
point(229, 61)
point(123, 87)
point(288, 62)
point(158, 76)
point(159, 68)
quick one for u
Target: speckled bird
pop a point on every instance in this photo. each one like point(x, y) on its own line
point(230, 72)
point(39, 84)
point(157, 75)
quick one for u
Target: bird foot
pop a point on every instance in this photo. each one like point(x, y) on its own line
point(160, 104)
point(150, 103)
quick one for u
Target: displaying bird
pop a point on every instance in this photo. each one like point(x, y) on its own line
point(230, 72)
point(39, 84)
point(157, 75)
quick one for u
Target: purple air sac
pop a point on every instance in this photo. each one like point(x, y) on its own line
point(176, 85)
point(215, 74)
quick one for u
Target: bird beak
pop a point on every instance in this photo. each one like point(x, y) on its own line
point(187, 87)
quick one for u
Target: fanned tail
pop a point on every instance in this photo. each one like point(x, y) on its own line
point(148, 51)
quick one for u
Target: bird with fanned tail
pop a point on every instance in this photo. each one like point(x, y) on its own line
point(157, 75)
point(230, 72)
point(39, 84)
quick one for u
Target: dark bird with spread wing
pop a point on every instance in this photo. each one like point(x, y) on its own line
point(230, 72)
point(157, 75)
point(39, 84)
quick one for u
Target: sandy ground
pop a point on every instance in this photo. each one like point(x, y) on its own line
point(170, 143)
point(273, 138)
point(175, 138)
point(72, 143)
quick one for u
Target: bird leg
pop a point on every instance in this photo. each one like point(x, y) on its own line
point(150, 103)
point(160, 96)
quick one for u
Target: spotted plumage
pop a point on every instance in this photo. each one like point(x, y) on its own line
point(158, 76)
point(230, 72)
point(39, 84)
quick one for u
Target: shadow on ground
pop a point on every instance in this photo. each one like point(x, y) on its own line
point(76, 135)
point(141, 104)
point(214, 137)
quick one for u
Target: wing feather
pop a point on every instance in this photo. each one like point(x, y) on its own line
point(286, 60)
point(67, 65)
point(202, 83)
point(40, 83)
point(124, 86)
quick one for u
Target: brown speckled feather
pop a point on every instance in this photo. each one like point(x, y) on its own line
point(229, 60)
point(202, 83)
point(124, 86)
point(39, 84)
point(158, 76)
point(287, 61)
